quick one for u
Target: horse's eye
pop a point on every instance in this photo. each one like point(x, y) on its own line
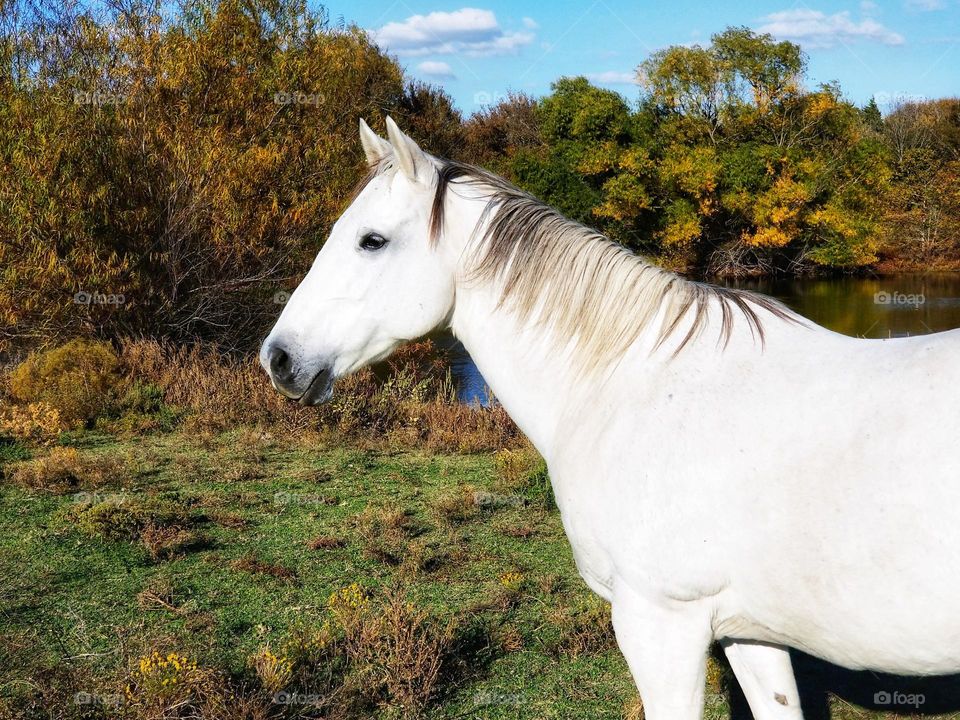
point(372, 241)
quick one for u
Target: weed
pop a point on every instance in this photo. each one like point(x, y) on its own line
point(274, 671)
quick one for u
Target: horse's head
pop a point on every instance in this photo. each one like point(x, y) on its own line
point(376, 283)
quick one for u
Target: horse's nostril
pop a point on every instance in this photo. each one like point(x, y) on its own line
point(281, 367)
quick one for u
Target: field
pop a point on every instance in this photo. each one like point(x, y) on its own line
point(263, 536)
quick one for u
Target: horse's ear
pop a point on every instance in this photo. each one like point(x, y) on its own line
point(374, 146)
point(413, 161)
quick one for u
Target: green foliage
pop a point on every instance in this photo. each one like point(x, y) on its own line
point(726, 165)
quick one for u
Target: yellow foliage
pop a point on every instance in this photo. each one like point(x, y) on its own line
point(274, 671)
point(37, 422)
point(75, 379)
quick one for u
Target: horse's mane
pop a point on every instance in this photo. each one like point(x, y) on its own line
point(583, 284)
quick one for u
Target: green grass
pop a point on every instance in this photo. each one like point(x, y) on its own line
point(71, 620)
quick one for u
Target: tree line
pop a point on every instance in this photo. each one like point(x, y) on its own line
point(171, 169)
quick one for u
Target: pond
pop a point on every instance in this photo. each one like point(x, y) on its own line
point(878, 307)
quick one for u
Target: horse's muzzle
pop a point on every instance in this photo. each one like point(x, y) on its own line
point(306, 385)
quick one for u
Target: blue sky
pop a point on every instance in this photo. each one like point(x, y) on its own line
point(480, 49)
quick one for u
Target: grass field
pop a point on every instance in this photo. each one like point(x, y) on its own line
point(225, 550)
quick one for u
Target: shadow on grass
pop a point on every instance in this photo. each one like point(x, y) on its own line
point(904, 696)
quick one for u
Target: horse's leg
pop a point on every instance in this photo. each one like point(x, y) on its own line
point(766, 677)
point(666, 650)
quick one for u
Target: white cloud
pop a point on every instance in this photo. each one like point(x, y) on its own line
point(470, 31)
point(812, 28)
point(868, 7)
point(613, 77)
point(530, 23)
point(925, 5)
point(436, 69)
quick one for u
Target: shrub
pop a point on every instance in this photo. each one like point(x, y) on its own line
point(120, 518)
point(141, 409)
point(77, 379)
point(38, 422)
point(166, 682)
point(110, 520)
point(398, 649)
point(12, 450)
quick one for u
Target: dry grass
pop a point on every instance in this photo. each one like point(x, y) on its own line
point(66, 469)
point(397, 649)
point(385, 533)
point(166, 542)
point(255, 566)
point(455, 505)
point(326, 542)
point(408, 402)
point(584, 629)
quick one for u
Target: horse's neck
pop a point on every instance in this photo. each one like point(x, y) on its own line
point(523, 368)
point(527, 368)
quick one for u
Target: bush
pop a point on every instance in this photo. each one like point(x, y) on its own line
point(119, 518)
point(78, 379)
point(394, 648)
point(37, 422)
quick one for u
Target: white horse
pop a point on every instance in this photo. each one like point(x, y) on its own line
point(725, 470)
